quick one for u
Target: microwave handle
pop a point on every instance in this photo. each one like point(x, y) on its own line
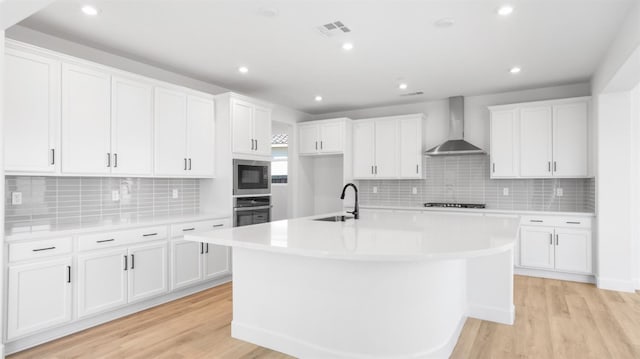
point(243, 209)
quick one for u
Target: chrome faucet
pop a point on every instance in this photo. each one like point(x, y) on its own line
point(356, 210)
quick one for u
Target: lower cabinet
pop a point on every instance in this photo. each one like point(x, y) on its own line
point(557, 248)
point(193, 262)
point(112, 278)
point(39, 296)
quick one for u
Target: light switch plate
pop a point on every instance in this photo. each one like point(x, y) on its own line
point(505, 191)
point(115, 195)
point(559, 192)
point(16, 198)
point(174, 194)
point(415, 190)
point(375, 189)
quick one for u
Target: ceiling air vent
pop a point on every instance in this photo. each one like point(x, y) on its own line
point(333, 28)
point(412, 93)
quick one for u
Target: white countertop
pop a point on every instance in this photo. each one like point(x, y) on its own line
point(376, 236)
point(481, 210)
point(75, 229)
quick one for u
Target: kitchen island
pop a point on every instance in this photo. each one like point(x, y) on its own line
point(386, 285)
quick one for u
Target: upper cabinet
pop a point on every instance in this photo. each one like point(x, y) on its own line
point(251, 128)
point(32, 113)
point(323, 137)
point(540, 140)
point(66, 116)
point(388, 148)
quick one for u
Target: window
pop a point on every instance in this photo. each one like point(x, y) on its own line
point(279, 160)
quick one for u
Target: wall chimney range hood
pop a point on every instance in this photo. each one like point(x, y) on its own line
point(455, 145)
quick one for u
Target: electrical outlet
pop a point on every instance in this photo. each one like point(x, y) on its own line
point(505, 191)
point(174, 194)
point(375, 189)
point(115, 195)
point(16, 198)
point(559, 192)
point(415, 190)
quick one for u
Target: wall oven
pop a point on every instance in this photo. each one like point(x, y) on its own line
point(251, 210)
point(251, 177)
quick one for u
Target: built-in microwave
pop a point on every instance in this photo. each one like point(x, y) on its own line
point(251, 177)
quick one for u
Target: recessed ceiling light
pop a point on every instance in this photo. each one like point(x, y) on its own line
point(318, 98)
point(89, 10)
point(515, 70)
point(347, 46)
point(505, 10)
point(444, 22)
point(403, 86)
point(243, 69)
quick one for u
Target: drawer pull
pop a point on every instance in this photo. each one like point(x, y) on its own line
point(536, 220)
point(218, 225)
point(43, 249)
point(68, 274)
point(105, 240)
point(573, 222)
point(149, 234)
point(188, 229)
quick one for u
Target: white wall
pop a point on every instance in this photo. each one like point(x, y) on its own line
point(476, 127)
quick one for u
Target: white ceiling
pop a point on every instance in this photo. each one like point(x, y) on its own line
point(290, 62)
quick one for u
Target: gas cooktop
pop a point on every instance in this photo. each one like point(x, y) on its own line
point(454, 205)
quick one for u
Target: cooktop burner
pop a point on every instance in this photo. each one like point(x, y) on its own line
point(455, 205)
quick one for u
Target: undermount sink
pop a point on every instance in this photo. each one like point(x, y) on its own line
point(334, 219)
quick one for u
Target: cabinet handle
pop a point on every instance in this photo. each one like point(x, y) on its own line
point(115, 160)
point(133, 261)
point(557, 241)
point(105, 240)
point(376, 167)
point(536, 220)
point(207, 250)
point(256, 144)
point(201, 248)
point(185, 164)
point(252, 144)
point(126, 261)
point(53, 156)
point(555, 166)
point(316, 145)
point(43, 249)
point(493, 167)
point(551, 239)
point(108, 159)
point(417, 169)
point(320, 144)
point(371, 169)
point(573, 222)
point(189, 164)
point(549, 166)
point(68, 274)
point(218, 225)
point(188, 229)
point(149, 234)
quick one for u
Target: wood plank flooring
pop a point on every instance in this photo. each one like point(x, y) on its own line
point(554, 319)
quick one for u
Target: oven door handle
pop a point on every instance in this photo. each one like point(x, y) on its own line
point(242, 209)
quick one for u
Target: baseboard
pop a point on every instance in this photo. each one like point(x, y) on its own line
point(83, 324)
point(303, 349)
point(541, 273)
point(617, 284)
point(492, 314)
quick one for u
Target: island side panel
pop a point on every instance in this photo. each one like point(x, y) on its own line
point(318, 307)
point(490, 287)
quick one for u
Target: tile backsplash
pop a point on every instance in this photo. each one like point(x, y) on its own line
point(61, 202)
point(465, 179)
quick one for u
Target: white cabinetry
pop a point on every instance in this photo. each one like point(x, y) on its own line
point(39, 296)
point(184, 134)
point(560, 244)
point(148, 271)
point(322, 137)
point(32, 113)
point(102, 281)
point(540, 139)
point(251, 128)
point(388, 148)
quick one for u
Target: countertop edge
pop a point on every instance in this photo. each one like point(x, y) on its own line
point(481, 210)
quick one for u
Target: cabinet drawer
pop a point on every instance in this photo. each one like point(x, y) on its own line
point(178, 230)
point(117, 238)
point(570, 222)
point(40, 249)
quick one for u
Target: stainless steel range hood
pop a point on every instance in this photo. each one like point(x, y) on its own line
point(456, 145)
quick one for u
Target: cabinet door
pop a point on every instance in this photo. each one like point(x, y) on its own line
point(147, 271)
point(386, 153)
point(332, 137)
point(536, 247)
point(504, 144)
point(535, 142)
point(573, 250)
point(39, 296)
point(86, 120)
point(410, 147)
point(32, 110)
point(186, 263)
point(242, 124)
point(170, 132)
point(217, 261)
point(262, 130)
point(570, 140)
point(102, 281)
point(131, 127)
point(363, 149)
point(308, 139)
point(201, 137)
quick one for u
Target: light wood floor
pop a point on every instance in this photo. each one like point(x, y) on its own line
point(554, 319)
